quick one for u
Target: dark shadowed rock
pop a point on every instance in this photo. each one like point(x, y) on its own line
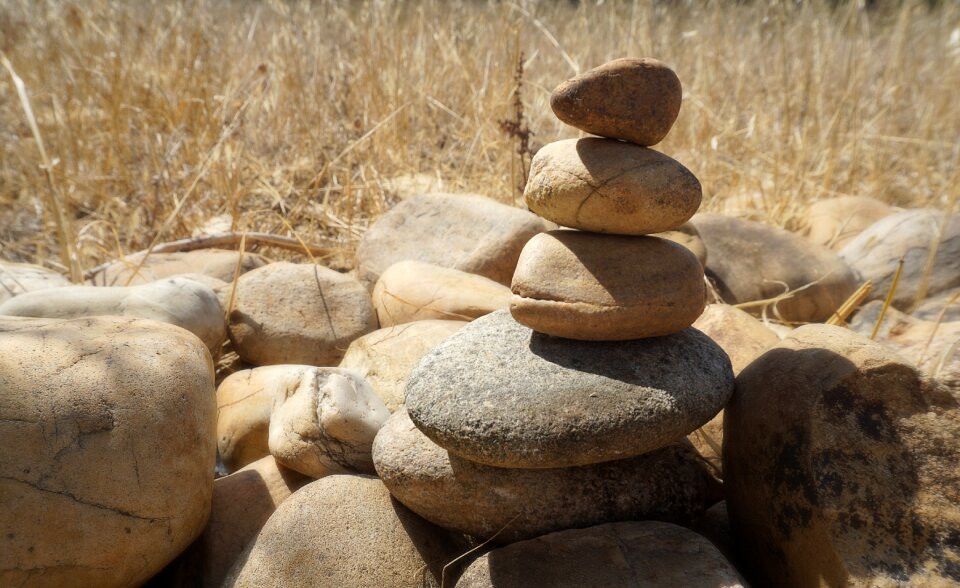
point(498, 393)
point(840, 466)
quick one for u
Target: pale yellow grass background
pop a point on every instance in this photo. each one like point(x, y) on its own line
point(297, 116)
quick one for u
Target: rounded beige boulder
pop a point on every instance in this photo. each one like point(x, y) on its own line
point(386, 357)
point(292, 313)
point(216, 263)
point(687, 235)
point(606, 287)
point(17, 278)
point(634, 99)
point(344, 531)
point(179, 301)
point(834, 222)
point(414, 291)
point(608, 186)
point(107, 427)
point(323, 420)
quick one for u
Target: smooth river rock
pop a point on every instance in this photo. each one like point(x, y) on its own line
point(500, 394)
point(643, 554)
point(834, 222)
point(17, 278)
point(467, 232)
point(244, 404)
point(687, 235)
point(634, 99)
point(216, 263)
point(606, 287)
point(751, 261)
point(840, 466)
point(414, 291)
point(670, 484)
point(179, 301)
point(107, 426)
point(290, 313)
point(608, 186)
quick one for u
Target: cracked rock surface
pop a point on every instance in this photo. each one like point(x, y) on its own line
point(107, 426)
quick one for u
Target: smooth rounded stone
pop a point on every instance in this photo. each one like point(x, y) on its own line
point(909, 234)
point(840, 462)
point(242, 504)
point(467, 232)
point(715, 526)
point(634, 99)
point(930, 345)
point(606, 287)
point(17, 278)
point(244, 404)
point(945, 306)
point(179, 301)
point(385, 357)
point(107, 427)
point(324, 420)
point(640, 554)
point(743, 338)
point(216, 263)
point(500, 394)
point(750, 262)
point(414, 291)
point(608, 186)
point(669, 484)
point(834, 222)
point(289, 313)
point(344, 531)
point(687, 235)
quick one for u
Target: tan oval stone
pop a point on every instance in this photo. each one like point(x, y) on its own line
point(609, 186)
point(244, 405)
point(287, 313)
point(834, 222)
point(634, 99)
point(216, 263)
point(414, 291)
point(344, 531)
point(606, 287)
point(386, 357)
point(688, 236)
point(107, 426)
point(17, 278)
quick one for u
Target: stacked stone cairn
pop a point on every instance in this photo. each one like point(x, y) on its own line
point(571, 409)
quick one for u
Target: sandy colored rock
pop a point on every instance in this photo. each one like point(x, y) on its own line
point(289, 313)
point(179, 301)
point(385, 357)
point(17, 278)
point(687, 235)
point(244, 405)
point(669, 484)
point(216, 263)
point(608, 186)
point(645, 554)
point(606, 287)
point(944, 306)
point(323, 420)
point(344, 531)
point(930, 345)
point(500, 394)
point(467, 232)
point(840, 466)
point(834, 222)
point(909, 234)
point(107, 427)
point(634, 99)
point(414, 291)
point(750, 261)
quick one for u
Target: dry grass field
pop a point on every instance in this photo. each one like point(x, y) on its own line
point(297, 118)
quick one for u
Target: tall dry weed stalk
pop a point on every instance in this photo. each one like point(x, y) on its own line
point(294, 118)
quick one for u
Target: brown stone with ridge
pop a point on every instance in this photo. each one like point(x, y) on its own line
point(633, 99)
point(606, 287)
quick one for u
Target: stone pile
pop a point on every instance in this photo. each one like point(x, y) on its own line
point(571, 409)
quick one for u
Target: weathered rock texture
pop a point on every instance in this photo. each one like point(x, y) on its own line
point(344, 531)
point(606, 287)
point(414, 291)
point(609, 186)
point(467, 232)
point(500, 394)
point(645, 554)
point(107, 428)
point(840, 466)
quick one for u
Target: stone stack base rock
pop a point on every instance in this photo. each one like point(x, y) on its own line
point(571, 410)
